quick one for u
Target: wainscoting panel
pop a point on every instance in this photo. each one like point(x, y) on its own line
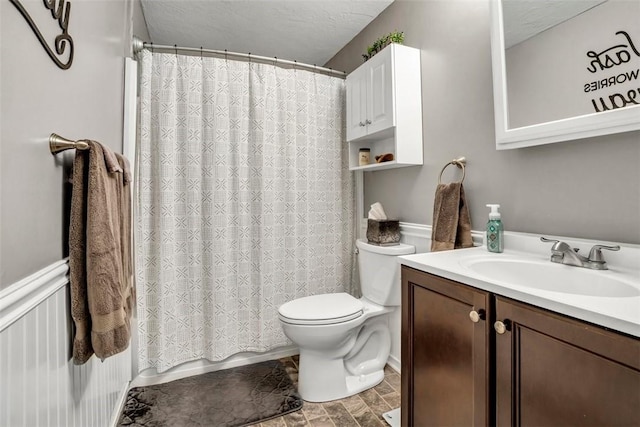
point(418, 235)
point(39, 384)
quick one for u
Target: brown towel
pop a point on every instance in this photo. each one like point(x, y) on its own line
point(100, 253)
point(451, 227)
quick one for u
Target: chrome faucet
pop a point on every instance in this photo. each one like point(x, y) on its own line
point(562, 253)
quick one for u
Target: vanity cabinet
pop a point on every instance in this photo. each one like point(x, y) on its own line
point(554, 370)
point(446, 366)
point(472, 358)
point(384, 108)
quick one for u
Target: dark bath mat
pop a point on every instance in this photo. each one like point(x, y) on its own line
point(232, 397)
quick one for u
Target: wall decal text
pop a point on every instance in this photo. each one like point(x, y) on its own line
point(60, 10)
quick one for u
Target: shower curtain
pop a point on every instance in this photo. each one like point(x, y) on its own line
point(244, 202)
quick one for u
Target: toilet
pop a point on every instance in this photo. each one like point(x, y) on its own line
point(345, 342)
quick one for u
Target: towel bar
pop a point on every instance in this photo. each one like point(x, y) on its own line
point(459, 162)
point(58, 144)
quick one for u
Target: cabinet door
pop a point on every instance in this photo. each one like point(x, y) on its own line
point(445, 362)
point(380, 102)
point(356, 104)
point(553, 371)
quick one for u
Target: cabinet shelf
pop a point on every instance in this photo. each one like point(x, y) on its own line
point(377, 166)
point(381, 166)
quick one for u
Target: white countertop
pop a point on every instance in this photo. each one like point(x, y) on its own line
point(620, 313)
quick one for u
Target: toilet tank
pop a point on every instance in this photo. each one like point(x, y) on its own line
point(380, 271)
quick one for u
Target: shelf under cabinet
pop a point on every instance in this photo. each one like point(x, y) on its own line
point(380, 166)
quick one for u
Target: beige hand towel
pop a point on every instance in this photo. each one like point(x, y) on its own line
point(100, 253)
point(451, 227)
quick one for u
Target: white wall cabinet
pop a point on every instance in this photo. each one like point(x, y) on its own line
point(384, 108)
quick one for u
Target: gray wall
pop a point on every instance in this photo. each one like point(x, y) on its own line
point(588, 188)
point(38, 98)
point(139, 23)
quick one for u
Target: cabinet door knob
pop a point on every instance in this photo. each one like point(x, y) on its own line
point(361, 124)
point(476, 316)
point(502, 326)
point(367, 121)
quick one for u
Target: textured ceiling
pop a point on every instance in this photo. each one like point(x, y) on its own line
point(526, 18)
point(309, 31)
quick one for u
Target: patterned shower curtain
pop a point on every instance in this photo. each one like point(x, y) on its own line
point(244, 202)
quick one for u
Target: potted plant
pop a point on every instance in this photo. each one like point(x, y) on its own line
point(382, 42)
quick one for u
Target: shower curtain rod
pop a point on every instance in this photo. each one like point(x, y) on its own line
point(138, 45)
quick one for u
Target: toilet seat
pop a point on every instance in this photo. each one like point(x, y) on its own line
point(323, 309)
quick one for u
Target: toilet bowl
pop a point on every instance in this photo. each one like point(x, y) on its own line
point(345, 342)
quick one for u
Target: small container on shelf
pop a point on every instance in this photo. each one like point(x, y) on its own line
point(364, 156)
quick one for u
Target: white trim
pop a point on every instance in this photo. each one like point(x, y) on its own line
point(117, 409)
point(202, 366)
point(585, 126)
point(24, 295)
point(422, 231)
point(394, 363)
point(415, 230)
point(129, 150)
point(130, 110)
point(360, 213)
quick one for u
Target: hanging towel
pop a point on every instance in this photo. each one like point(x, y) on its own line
point(451, 220)
point(100, 269)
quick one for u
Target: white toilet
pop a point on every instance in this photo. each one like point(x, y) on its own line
point(345, 342)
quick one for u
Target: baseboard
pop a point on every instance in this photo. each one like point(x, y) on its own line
point(202, 366)
point(394, 363)
point(117, 410)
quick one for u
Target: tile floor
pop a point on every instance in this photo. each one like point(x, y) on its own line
point(362, 410)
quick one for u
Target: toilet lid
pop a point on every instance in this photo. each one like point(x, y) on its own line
point(321, 309)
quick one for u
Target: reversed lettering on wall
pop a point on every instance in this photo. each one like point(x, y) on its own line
point(626, 83)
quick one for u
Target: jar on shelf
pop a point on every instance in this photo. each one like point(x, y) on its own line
point(364, 156)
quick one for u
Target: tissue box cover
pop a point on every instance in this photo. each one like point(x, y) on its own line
point(383, 233)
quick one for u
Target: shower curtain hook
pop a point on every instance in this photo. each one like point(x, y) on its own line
point(151, 47)
point(295, 65)
point(275, 63)
point(200, 52)
point(225, 55)
point(175, 48)
point(249, 57)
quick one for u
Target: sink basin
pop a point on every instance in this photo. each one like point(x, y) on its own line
point(548, 276)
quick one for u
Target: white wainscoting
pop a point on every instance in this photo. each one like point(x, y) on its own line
point(418, 235)
point(39, 384)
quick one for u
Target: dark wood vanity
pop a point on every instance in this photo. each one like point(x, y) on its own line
point(532, 368)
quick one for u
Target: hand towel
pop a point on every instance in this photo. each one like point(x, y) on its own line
point(451, 227)
point(100, 253)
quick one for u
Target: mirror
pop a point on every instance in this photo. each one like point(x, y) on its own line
point(564, 69)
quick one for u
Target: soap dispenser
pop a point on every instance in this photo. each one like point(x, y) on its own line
point(495, 229)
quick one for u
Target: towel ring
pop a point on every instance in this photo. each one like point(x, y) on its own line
point(459, 162)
